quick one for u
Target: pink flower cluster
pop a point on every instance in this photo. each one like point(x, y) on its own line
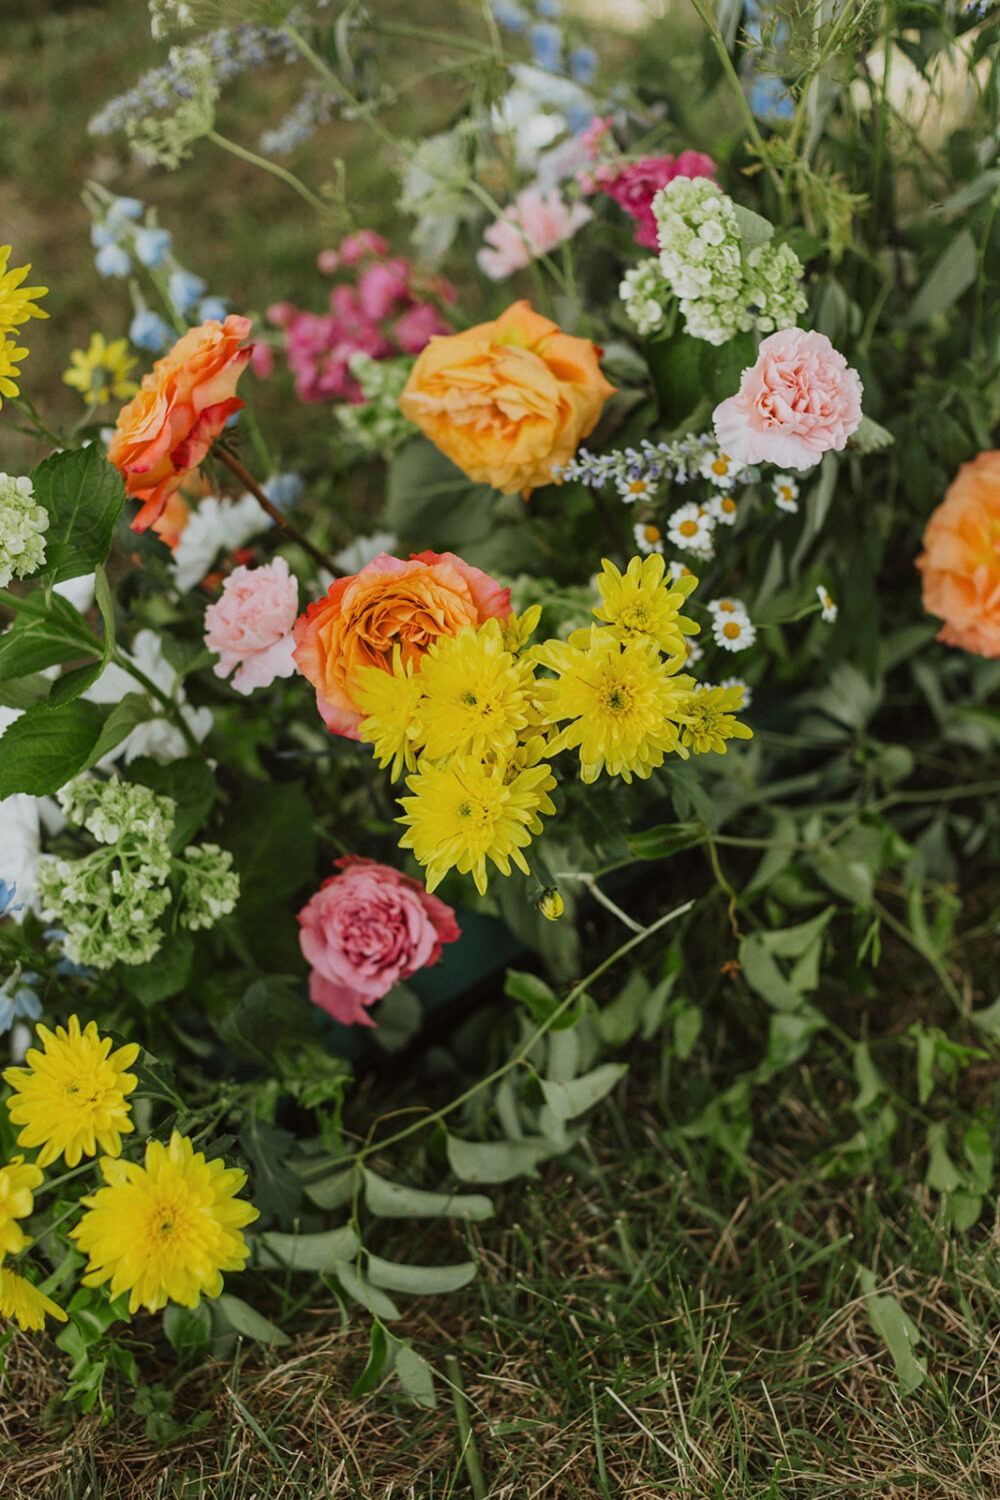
point(250, 626)
point(384, 314)
point(634, 184)
point(534, 224)
point(366, 929)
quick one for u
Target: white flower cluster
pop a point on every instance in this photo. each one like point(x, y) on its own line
point(645, 292)
point(22, 522)
point(721, 291)
point(211, 885)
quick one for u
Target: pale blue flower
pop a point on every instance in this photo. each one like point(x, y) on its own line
point(148, 331)
point(284, 490)
point(18, 1000)
point(122, 209)
point(213, 307)
point(112, 260)
point(546, 47)
point(583, 65)
point(511, 17)
point(8, 892)
point(152, 246)
point(185, 289)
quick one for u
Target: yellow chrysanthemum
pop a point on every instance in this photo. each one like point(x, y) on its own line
point(17, 301)
point(638, 604)
point(623, 699)
point(390, 702)
point(71, 1096)
point(464, 813)
point(165, 1231)
point(477, 696)
point(25, 1303)
point(709, 722)
point(10, 355)
point(18, 1180)
point(100, 372)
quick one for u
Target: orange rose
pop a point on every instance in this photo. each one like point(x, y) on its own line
point(182, 406)
point(961, 564)
point(389, 603)
point(507, 401)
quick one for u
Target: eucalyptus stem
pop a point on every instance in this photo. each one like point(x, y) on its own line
point(295, 183)
point(246, 478)
point(173, 710)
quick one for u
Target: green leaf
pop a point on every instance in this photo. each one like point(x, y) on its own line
point(189, 782)
point(948, 279)
point(128, 713)
point(307, 1252)
point(377, 1359)
point(569, 1098)
point(391, 1200)
point(665, 839)
point(533, 992)
point(415, 1376)
point(942, 1174)
point(762, 974)
point(754, 229)
point(964, 1209)
point(978, 1147)
point(419, 1281)
point(362, 1291)
point(792, 942)
point(277, 1191)
point(46, 747)
point(899, 1333)
point(428, 497)
point(84, 496)
point(166, 973)
point(988, 1020)
point(871, 1084)
point(246, 1320)
point(55, 634)
point(495, 1161)
point(398, 1019)
point(869, 437)
point(188, 1329)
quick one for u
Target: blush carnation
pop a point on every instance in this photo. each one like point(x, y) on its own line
point(534, 224)
point(796, 403)
point(251, 625)
point(365, 930)
point(961, 560)
point(634, 184)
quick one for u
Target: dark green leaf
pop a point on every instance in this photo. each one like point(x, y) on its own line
point(189, 782)
point(949, 278)
point(166, 973)
point(246, 1320)
point(46, 747)
point(128, 713)
point(84, 495)
point(372, 1372)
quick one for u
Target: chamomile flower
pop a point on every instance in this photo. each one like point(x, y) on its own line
point(678, 569)
point(709, 719)
point(718, 607)
point(719, 469)
point(691, 527)
point(100, 372)
point(25, 1303)
point(636, 486)
point(647, 537)
point(786, 493)
point(722, 508)
point(828, 610)
point(733, 632)
point(640, 604)
point(476, 695)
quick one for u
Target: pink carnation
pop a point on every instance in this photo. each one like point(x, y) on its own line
point(798, 401)
point(365, 930)
point(532, 226)
point(250, 626)
point(634, 184)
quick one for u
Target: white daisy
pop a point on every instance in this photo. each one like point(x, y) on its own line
point(691, 527)
point(786, 493)
point(634, 487)
point(648, 538)
point(828, 611)
point(719, 469)
point(722, 508)
point(717, 607)
point(733, 632)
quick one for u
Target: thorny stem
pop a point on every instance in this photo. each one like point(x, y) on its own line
point(246, 478)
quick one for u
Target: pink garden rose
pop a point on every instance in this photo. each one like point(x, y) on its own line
point(533, 225)
point(796, 403)
point(365, 930)
point(250, 626)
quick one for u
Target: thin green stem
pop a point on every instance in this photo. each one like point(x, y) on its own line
point(173, 709)
point(39, 426)
point(466, 1436)
point(706, 14)
point(273, 167)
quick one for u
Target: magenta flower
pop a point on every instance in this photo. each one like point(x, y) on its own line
point(634, 184)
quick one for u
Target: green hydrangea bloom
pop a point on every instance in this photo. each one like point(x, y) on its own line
point(22, 522)
point(211, 886)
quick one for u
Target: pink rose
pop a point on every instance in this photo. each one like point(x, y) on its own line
point(250, 626)
point(532, 226)
point(798, 401)
point(365, 930)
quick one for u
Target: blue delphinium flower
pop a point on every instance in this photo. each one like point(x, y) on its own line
point(122, 209)
point(548, 8)
point(583, 65)
point(112, 260)
point(152, 246)
point(148, 331)
point(546, 47)
point(213, 307)
point(8, 892)
point(185, 289)
point(510, 16)
point(18, 1000)
point(769, 99)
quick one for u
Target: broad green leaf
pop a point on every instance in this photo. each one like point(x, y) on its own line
point(792, 942)
point(189, 782)
point(307, 1252)
point(415, 1376)
point(665, 839)
point(495, 1161)
point(128, 713)
point(246, 1320)
point(978, 1147)
point(331, 1192)
point(942, 1174)
point(166, 973)
point(378, 1347)
point(188, 1329)
point(948, 279)
point(788, 1037)
point(46, 747)
point(84, 496)
point(687, 1030)
point(45, 639)
point(575, 1096)
point(391, 1200)
point(362, 1291)
point(871, 1084)
point(988, 1020)
point(964, 1209)
point(419, 1281)
point(899, 1333)
point(762, 974)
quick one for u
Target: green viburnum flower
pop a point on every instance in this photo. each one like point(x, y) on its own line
point(645, 292)
point(22, 522)
point(211, 886)
point(377, 425)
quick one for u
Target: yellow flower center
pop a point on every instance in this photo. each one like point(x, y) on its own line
point(688, 528)
point(731, 629)
point(637, 487)
point(720, 466)
point(651, 533)
point(617, 699)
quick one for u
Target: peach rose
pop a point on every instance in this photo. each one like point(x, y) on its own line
point(798, 401)
point(389, 603)
point(507, 401)
point(961, 563)
point(183, 404)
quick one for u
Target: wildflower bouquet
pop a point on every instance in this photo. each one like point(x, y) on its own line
point(452, 676)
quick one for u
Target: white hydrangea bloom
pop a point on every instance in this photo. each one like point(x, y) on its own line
point(216, 526)
point(22, 522)
point(645, 292)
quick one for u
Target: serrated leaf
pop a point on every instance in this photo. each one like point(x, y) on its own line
point(307, 1252)
point(495, 1161)
point(47, 638)
point(419, 1281)
point(84, 496)
point(391, 1200)
point(46, 747)
point(572, 1097)
point(899, 1333)
point(128, 713)
point(246, 1320)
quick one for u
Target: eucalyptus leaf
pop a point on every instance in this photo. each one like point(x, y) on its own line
point(307, 1252)
point(363, 1292)
point(415, 1376)
point(420, 1281)
point(246, 1320)
point(495, 1161)
point(391, 1200)
point(572, 1097)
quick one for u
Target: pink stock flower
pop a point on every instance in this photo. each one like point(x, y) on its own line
point(533, 225)
point(415, 328)
point(796, 403)
point(250, 626)
point(598, 135)
point(634, 184)
point(383, 288)
point(365, 930)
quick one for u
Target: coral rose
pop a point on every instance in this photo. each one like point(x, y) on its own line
point(250, 626)
point(389, 603)
point(961, 563)
point(507, 401)
point(183, 404)
point(365, 930)
point(798, 401)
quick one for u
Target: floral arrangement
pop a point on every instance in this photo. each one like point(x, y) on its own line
point(268, 749)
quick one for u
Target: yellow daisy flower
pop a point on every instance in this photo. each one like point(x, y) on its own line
point(18, 1180)
point(709, 722)
point(638, 604)
point(165, 1231)
point(10, 355)
point(71, 1096)
point(477, 696)
point(25, 1303)
point(390, 702)
point(100, 372)
point(464, 813)
point(624, 702)
point(17, 301)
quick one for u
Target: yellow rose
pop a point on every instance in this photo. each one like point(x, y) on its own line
point(507, 401)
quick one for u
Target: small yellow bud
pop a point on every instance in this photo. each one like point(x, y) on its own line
point(551, 904)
